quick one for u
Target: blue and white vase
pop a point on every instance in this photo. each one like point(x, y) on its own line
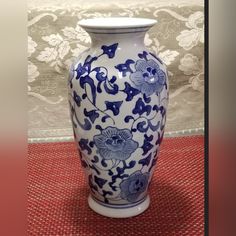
point(118, 96)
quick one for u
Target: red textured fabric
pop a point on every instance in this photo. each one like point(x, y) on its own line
point(57, 193)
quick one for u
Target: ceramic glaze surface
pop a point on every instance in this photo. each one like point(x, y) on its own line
point(118, 95)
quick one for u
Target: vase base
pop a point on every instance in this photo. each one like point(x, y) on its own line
point(121, 212)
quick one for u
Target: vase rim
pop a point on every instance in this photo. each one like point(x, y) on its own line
point(117, 23)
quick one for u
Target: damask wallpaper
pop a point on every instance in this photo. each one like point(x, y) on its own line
point(55, 39)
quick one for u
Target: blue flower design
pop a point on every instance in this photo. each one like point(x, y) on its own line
point(114, 107)
point(84, 69)
point(130, 92)
point(83, 143)
point(110, 50)
point(141, 107)
point(81, 70)
point(134, 186)
point(77, 98)
point(148, 77)
point(125, 68)
point(115, 143)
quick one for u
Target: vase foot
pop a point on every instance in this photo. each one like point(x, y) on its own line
point(121, 212)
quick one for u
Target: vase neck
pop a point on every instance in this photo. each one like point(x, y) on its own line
point(127, 32)
point(124, 38)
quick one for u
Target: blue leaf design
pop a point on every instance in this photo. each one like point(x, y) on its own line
point(125, 68)
point(77, 98)
point(145, 161)
point(143, 55)
point(86, 126)
point(99, 90)
point(113, 90)
point(154, 127)
point(88, 61)
point(83, 143)
point(128, 118)
point(99, 181)
point(141, 108)
point(155, 108)
point(104, 118)
point(100, 75)
point(120, 173)
point(95, 159)
point(114, 107)
point(91, 144)
point(90, 82)
point(146, 99)
point(104, 193)
point(130, 92)
point(141, 126)
point(80, 70)
point(98, 127)
point(93, 114)
point(113, 79)
point(147, 146)
point(103, 162)
point(110, 50)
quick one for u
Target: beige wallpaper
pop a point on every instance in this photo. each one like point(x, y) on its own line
point(55, 39)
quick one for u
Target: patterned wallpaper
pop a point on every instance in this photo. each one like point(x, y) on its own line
point(55, 39)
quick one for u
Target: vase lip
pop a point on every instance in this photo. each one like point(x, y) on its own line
point(117, 23)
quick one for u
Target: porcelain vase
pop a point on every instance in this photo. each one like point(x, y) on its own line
point(118, 96)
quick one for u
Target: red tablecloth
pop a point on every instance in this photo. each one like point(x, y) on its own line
point(57, 193)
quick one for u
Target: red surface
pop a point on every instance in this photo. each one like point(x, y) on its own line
point(57, 193)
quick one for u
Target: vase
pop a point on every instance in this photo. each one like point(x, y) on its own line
point(118, 96)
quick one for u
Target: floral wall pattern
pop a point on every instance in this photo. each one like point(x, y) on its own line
point(55, 40)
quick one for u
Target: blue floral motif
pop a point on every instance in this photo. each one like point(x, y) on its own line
point(124, 68)
point(115, 143)
point(147, 145)
point(143, 55)
point(148, 77)
point(77, 98)
point(141, 108)
point(114, 107)
point(99, 181)
point(83, 143)
point(110, 50)
point(110, 163)
point(81, 70)
point(134, 186)
point(93, 115)
point(145, 161)
point(130, 92)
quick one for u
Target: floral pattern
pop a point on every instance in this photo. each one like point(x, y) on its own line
point(148, 77)
point(195, 34)
point(117, 161)
point(115, 144)
point(190, 65)
point(134, 186)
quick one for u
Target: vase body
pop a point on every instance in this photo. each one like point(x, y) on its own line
point(118, 96)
